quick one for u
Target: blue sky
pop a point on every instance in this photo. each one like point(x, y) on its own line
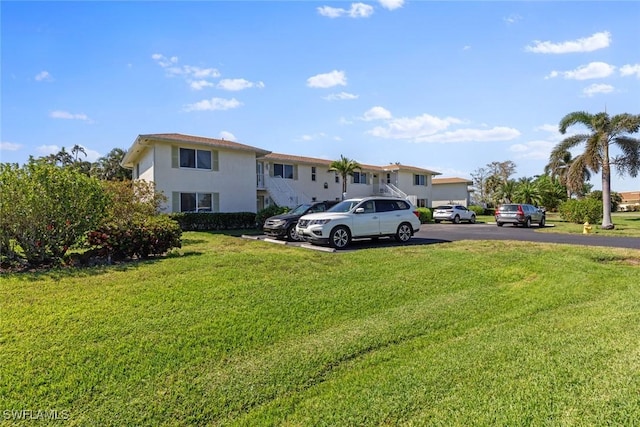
point(448, 86)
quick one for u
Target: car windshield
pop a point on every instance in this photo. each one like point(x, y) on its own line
point(508, 208)
point(344, 206)
point(300, 209)
point(444, 208)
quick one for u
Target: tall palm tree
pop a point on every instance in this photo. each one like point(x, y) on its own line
point(344, 167)
point(605, 131)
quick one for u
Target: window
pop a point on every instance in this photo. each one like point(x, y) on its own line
point(196, 159)
point(421, 203)
point(284, 171)
point(197, 202)
point(359, 178)
point(337, 178)
point(313, 173)
point(419, 180)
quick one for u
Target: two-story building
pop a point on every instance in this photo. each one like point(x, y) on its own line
point(216, 175)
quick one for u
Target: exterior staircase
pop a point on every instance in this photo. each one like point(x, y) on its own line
point(282, 193)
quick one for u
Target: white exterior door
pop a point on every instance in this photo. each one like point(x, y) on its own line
point(260, 174)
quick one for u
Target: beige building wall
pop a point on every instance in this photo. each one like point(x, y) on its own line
point(234, 182)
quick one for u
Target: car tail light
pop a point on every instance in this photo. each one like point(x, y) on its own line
point(416, 213)
point(520, 211)
point(497, 210)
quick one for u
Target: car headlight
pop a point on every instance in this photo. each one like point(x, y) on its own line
point(319, 221)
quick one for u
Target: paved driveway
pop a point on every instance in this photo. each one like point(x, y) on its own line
point(447, 232)
point(452, 232)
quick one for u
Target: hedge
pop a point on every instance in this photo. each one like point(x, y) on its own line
point(213, 221)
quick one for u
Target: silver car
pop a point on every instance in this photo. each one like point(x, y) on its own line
point(519, 214)
point(369, 217)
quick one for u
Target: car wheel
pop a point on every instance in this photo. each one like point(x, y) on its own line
point(542, 222)
point(473, 219)
point(500, 224)
point(404, 232)
point(527, 223)
point(339, 237)
point(291, 233)
point(437, 221)
point(456, 219)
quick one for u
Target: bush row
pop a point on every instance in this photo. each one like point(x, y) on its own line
point(212, 221)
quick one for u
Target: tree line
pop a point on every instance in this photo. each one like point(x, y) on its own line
point(106, 167)
point(566, 177)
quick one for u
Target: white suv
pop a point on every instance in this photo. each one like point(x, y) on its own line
point(453, 213)
point(369, 217)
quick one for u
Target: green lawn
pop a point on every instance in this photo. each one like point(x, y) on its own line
point(230, 331)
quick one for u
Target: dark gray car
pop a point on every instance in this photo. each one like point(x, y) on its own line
point(519, 214)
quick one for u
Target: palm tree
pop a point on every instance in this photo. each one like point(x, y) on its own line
point(78, 149)
point(605, 132)
point(527, 191)
point(559, 166)
point(109, 168)
point(506, 191)
point(344, 167)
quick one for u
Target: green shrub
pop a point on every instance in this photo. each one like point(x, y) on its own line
point(140, 237)
point(208, 221)
point(478, 210)
point(45, 210)
point(268, 212)
point(580, 211)
point(425, 215)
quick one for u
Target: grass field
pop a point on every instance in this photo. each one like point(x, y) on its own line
point(230, 331)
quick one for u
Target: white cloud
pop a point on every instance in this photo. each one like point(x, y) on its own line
point(9, 146)
point(238, 84)
point(200, 84)
point(163, 61)
point(391, 4)
point(227, 135)
point(313, 137)
point(45, 150)
point(593, 70)
point(92, 155)
point(414, 128)
point(376, 113)
point(58, 114)
point(340, 96)
point(357, 10)
point(498, 133)
point(44, 76)
point(630, 70)
point(331, 12)
point(194, 76)
point(213, 104)
point(512, 19)
point(533, 150)
point(597, 88)
point(334, 78)
point(587, 44)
